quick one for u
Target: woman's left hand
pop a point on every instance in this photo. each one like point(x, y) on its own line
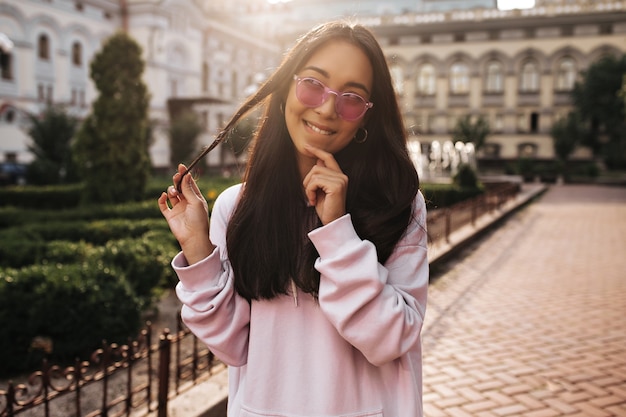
point(326, 186)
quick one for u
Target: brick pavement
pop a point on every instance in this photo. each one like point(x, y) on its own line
point(531, 319)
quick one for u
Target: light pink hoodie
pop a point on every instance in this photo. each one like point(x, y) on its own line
point(356, 352)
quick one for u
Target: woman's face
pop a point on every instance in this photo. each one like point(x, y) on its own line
point(344, 68)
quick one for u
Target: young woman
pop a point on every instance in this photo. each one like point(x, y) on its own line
point(311, 282)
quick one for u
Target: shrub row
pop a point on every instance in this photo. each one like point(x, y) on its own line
point(444, 195)
point(23, 245)
point(11, 216)
point(76, 294)
point(63, 312)
point(58, 197)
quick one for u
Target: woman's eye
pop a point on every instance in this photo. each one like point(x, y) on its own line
point(314, 83)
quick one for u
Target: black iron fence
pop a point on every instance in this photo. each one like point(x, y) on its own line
point(443, 222)
point(138, 379)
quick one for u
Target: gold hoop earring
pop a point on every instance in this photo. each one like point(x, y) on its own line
point(363, 139)
point(282, 109)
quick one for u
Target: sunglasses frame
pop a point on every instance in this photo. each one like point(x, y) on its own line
point(338, 94)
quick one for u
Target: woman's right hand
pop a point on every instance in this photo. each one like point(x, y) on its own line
point(187, 215)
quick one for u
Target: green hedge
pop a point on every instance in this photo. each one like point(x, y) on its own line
point(444, 195)
point(68, 196)
point(11, 216)
point(77, 275)
point(74, 307)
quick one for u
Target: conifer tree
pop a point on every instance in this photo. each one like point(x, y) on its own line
point(112, 144)
point(52, 133)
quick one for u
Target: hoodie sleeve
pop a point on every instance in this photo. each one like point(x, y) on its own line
point(212, 309)
point(379, 309)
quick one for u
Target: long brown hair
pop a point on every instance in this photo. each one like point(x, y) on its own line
point(266, 237)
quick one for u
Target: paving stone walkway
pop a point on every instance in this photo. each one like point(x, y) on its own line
point(531, 319)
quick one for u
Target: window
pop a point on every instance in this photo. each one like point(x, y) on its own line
point(530, 77)
point(426, 80)
point(77, 54)
point(534, 122)
point(495, 78)
point(44, 93)
point(498, 123)
point(43, 47)
point(397, 78)
point(459, 78)
point(491, 150)
point(566, 74)
point(6, 65)
point(9, 116)
point(527, 150)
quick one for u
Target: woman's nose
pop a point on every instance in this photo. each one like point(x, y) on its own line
point(328, 108)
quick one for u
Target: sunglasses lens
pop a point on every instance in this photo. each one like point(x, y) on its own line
point(350, 106)
point(310, 92)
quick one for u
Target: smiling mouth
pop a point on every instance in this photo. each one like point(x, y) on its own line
point(318, 130)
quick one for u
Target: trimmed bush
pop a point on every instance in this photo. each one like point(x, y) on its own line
point(145, 263)
point(445, 195)
point(75, 307)
point(41, 197)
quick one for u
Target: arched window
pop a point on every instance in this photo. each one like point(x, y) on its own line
point(527, 150)
point(566, 74)
point(77, 54)
point(43, 47)
point(530, 77)
point(426, 80)
point(397, 77)
point(459, 78)
point(495, 78)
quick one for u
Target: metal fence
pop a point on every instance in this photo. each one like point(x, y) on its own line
point(443, 222)
point(138, 379)
point(135, 379)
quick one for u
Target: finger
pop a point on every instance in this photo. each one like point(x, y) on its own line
point(190, 188)
point(163, 206)
point(179, 175)
point(326, 157)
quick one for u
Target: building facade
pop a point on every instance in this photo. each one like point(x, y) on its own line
point(516, 68)
point(188, 56)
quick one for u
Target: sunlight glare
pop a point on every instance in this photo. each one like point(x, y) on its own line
point(515, 4)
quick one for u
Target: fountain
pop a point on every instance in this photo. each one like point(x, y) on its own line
point(443, 160)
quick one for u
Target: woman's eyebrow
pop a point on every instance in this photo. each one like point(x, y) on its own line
point(327, 75)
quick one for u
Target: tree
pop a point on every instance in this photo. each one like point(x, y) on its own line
point(567, 133)
point(597, 98)
point(184, 132)
point(112, 144)
point(474, 131)
point(51, 134)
